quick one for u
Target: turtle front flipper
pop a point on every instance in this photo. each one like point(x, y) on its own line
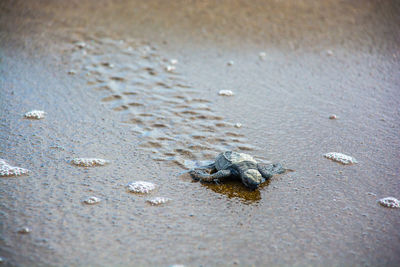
point(200, 174)
point(267, 171)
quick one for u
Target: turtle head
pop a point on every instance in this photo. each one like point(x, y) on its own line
point(252, 178)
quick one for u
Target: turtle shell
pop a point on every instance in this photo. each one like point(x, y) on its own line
point(229, 158)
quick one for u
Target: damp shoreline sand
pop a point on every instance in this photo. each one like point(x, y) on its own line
point(138, 84)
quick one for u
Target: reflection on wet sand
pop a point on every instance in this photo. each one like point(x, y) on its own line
point(232, 188)
point(236, 189)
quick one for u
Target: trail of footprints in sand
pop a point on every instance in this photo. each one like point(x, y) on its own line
point(166, 114)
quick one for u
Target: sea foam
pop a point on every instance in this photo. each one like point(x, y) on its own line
point(7, 170)
point(389, 202)
point(341, 158)
point(140, 187)
point(158, 200)
point(92, 200)
point(35, 114)
point(89, 162)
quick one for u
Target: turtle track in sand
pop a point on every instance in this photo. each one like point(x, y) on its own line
point(165, 112)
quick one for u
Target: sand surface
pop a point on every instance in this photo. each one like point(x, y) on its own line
point(136, 83)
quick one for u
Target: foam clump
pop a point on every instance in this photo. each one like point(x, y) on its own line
point(262, 55)
point(341, 158)
point(226, 93)
point(24, 230)
point(140, 187)
point(7, 170)
point(158, 200)
point(333, 117)
point(92, 200)
point(170, 68)
point(35, 114)
point(389, 202)
point(89, 162)
point(80, 45)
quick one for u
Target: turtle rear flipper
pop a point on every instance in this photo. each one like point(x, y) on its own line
point(267, 171)
point(200, 174)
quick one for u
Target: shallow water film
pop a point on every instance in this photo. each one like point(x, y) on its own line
point(106, 105)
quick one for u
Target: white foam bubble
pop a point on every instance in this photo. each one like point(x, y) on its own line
point(89, 162)
point(158, 200)
point(226, 93)
point(7, 170)
point(24, 230)
point(170, 68)
point(80, 44)
point(140, 187)
point(35, 114)
point(341, 158)
point(333, 117)
point(173, 61)
point(92, 200)
point(389, 202)
point(262, 55)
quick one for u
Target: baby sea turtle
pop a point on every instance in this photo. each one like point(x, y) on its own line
point(237, 165)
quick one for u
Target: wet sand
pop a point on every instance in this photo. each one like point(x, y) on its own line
point(104, 73)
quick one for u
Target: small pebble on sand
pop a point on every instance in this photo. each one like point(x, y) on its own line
point(158, 200)
point(7, 170)
point(341, 158)
point(140, 187)
point(230, 63)
point(71, 72)
point(24, 230)
point(262, 55)
point(89, 162)
point(170, 68)
point(173, 61)
point(329, 52)
point(92, 200)
point(390, 202)
point(226, 93)
point(238, 125)
point(35, 114)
